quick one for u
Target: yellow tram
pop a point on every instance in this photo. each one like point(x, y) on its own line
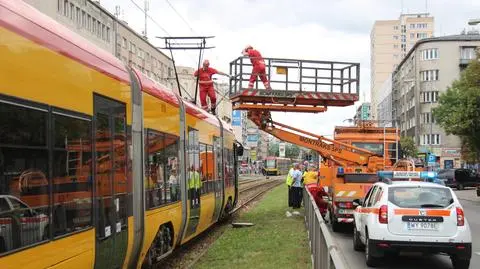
point(100, 167)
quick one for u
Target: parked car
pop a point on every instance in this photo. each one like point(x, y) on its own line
point(459, 178)
point(466, 178)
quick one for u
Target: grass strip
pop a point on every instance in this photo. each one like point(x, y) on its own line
point(276, 241)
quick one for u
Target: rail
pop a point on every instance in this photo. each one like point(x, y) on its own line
point(325, 254)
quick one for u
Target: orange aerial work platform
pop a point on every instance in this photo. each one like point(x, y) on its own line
point(297, 85)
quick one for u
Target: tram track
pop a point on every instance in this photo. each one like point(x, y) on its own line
point(189, 254)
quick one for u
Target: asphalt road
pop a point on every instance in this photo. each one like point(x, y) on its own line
point(471, 204)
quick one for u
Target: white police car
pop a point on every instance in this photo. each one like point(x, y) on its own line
point(411, 216)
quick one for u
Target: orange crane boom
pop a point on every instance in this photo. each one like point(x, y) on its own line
point(336, 151)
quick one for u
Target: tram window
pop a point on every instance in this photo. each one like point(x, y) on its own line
point(217, 150)
point(193, 177)
point(171, 156)
point(203, 167)
point(155, 172)
point(226, 167)
point(72, 174)
point(23, 176)
point(210, 168)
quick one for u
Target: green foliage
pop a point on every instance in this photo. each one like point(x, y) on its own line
point(292, 151)
point(273, 149)
point(408, 147)
point(459, 107)
point(275, 241)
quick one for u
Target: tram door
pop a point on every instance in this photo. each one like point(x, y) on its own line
point(110, 183)
point(218, 177)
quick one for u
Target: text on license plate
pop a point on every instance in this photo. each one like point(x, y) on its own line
point(428, 226)
point(345, 211)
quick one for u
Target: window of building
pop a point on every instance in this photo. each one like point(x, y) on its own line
point(79, 16)
point(412, 35)
point(404, 38)
point(429, 54)
point(429, 75)
point(467, 53)
point(395, 27)
point(430, 139)
point(89, 22)
point(429, 96)
point(59, 6)
point(395, 37)
point(412, 26)
point(65, 8)
point(124, 42)
point(133, 48)
point(99, 29)
point(395, 46)
point(94, 25)
point(84, 19)
point(104, 32)
point(108, 34)
point(140, 53)
point(427, 118)
point(72, 11)
point(422, 35)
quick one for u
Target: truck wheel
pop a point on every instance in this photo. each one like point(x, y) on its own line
point(478, 192)
point(460, 263)
point(460, 187)
point(335, 223)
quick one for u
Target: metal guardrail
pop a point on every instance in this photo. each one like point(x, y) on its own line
point(325, 254)
point(295, 75)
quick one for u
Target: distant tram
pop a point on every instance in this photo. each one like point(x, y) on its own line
point(100, 167)
point(276, 166)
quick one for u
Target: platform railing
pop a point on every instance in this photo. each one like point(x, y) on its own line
point(323, 248)
point(296, 75)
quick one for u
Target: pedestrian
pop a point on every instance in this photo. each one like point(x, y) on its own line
point(289, 183)
point(258, 64)
point(297, 187)
point(205, 83)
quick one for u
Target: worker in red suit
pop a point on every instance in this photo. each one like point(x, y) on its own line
point(205, 83)
point(258, 67)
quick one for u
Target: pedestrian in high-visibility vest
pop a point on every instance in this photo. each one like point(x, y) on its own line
point(193, 177)
point(289, 185)
point(258, 64)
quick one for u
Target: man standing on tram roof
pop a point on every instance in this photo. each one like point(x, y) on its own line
point(205, 83)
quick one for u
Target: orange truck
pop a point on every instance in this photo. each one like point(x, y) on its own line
point(352, 180)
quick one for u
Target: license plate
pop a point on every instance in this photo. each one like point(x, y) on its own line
point(345, 211)
point(423, 226)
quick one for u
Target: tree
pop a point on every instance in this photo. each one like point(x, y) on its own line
point(408, 147)
point(459, 107)
point(292, 151)
point(273, 149)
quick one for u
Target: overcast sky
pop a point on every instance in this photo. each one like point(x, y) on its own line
point(336, 30)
